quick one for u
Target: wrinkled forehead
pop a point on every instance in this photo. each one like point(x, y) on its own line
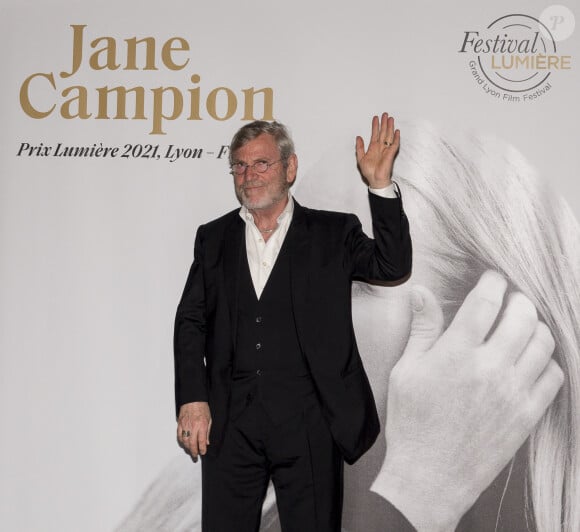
point(262, 146)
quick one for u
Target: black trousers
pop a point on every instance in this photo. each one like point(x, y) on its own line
point(300, 457)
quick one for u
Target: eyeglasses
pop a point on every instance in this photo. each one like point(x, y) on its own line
point(259, 167)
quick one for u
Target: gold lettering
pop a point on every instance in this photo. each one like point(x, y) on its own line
point(109, 51)
point(132, 53)
point(25, 102)
point(81, 100)
point(121, 93)
point(158, 114)
point(77, 50)
point(523, 61)
point(194, 99)
point(268, 108)
point(232, 103)
point(565, 62)
point(168, 48)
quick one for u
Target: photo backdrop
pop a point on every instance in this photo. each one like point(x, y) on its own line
point(116, 120)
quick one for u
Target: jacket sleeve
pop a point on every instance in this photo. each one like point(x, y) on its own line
point(387, 257)
point(190, 333)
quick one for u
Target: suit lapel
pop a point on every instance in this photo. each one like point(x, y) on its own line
point(233, 252)
point(299, 243)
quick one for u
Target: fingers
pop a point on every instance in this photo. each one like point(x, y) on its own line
point(196, 442)
point(545, 389)
point(396, 140)
point(427, 321)
point(383, 133)
point(536, 357)
point(193, 428)
point(186, 436)
point(519, 340)
point(202, 441)
point(479, 311)
point(388, 135)
point(517, 325)
point(360, 149)
point(375, 129)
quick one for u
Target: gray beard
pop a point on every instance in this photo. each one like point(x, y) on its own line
point(262, 204)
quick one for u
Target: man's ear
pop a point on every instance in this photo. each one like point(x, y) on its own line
point(291, 168)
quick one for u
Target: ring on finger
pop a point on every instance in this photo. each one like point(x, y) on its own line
point(185, 434)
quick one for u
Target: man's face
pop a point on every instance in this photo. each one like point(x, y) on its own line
point(262, 190)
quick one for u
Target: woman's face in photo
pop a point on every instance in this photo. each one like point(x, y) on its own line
point(382, 319)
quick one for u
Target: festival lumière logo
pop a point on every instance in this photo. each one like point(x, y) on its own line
point(517, 57)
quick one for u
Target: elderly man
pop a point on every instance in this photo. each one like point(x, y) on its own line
point(265, 354)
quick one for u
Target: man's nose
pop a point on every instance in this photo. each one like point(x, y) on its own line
point(246, 175)
point(249, 171)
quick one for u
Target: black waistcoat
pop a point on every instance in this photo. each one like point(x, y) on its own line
point(269, 366)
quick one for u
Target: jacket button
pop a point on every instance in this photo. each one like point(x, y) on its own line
point(258, 372)
point(258, 346)
point(259, 319)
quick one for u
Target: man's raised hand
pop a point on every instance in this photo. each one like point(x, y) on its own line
point(376, 162)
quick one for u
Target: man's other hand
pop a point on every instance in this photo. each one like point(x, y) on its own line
point(193, 427)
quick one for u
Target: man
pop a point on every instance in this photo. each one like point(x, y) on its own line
point(265, 354)
point(460, 404)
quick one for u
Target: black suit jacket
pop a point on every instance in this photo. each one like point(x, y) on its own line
point(327, 251)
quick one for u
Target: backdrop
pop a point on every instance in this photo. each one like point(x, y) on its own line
point(113, 149)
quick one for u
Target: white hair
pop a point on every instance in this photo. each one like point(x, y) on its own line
point(491, 211)
point(495, 213)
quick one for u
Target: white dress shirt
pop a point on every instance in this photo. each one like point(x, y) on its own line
point(262, 254)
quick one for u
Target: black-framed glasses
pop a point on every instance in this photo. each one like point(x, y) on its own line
point(259, 167)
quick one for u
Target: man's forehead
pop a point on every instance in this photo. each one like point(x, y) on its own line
point(263, 145)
